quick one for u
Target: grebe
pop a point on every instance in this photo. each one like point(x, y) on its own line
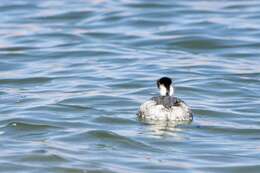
point(165, 107)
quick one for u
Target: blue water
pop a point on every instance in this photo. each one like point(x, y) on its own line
point(73, 74)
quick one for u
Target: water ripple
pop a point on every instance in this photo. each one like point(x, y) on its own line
point(74, 74)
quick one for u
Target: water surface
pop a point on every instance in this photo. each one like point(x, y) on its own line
point(73, 74)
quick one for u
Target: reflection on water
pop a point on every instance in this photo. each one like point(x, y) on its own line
point(73, 75)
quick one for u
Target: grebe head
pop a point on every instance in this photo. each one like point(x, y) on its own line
point(165, 86)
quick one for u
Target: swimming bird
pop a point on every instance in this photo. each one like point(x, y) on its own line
point(165, 107)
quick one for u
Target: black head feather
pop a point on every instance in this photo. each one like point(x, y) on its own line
point(164, 81)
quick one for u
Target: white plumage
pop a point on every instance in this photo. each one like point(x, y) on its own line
point(151, 110)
